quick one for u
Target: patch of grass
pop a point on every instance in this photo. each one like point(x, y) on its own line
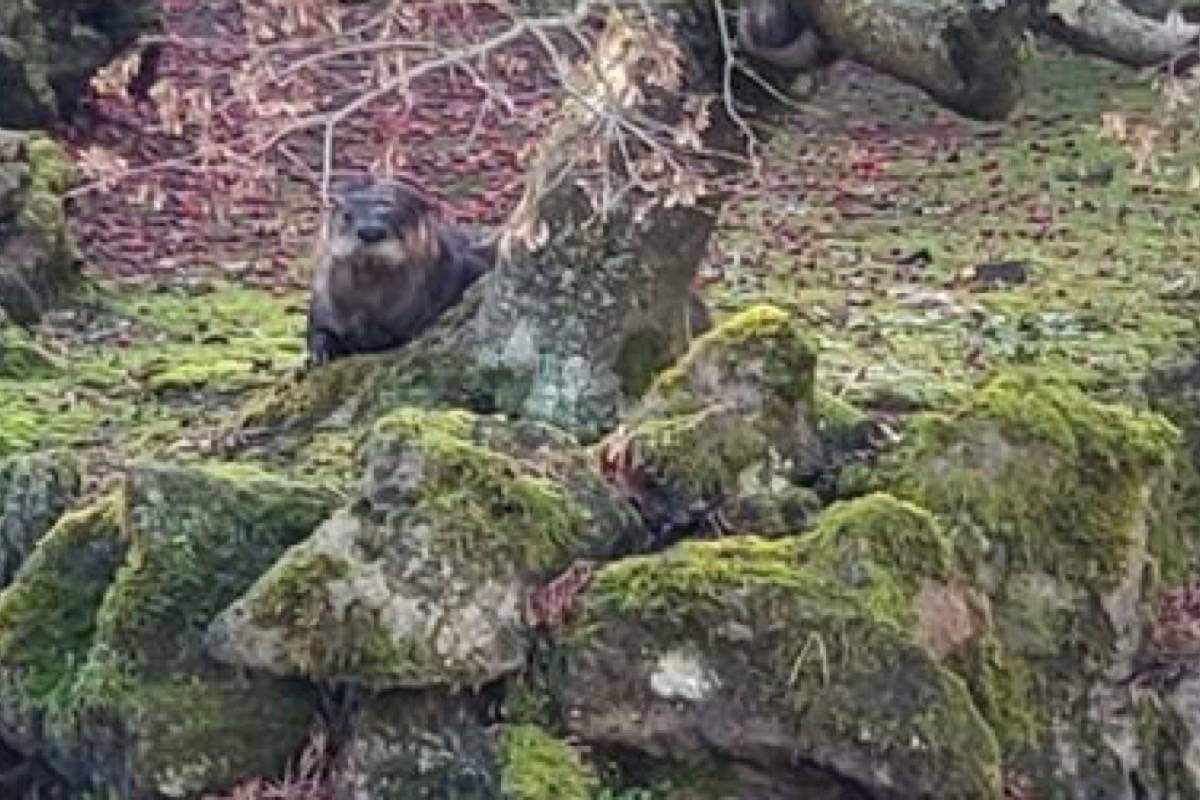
point(900, 200)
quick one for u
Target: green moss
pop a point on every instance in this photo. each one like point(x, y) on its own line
point(1008, 693)
point(301, 598)
point(903, 536)
point(481, 502)
point(51, 174)
point(48, 616)
point(763, 344)
point(21, 357)
point(895, 336)
point(301, 590)
point(171, 360)
point(686, 584)
point(51, 170)
point(538, 766)
point(308, 398)
point(839, 418)
point(816, 648)
point(102, 631)
point(37, 415)
point(1031, 462)
point(198, 541)
point(699, 452)
point(885, 546)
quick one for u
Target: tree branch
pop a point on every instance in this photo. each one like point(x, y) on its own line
point(1108, 29)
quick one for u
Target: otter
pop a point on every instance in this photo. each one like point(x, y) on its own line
point(783, 33)
point(385, 268)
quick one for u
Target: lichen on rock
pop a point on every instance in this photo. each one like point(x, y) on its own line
point(426, 745)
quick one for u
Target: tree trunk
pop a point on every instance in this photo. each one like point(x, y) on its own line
point(1108, 29)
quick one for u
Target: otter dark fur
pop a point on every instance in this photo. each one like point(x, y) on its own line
point(783, 33)
point(384, 269)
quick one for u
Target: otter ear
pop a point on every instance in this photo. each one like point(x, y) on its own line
point(410, 197)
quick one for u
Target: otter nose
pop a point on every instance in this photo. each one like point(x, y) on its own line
point(372, 234)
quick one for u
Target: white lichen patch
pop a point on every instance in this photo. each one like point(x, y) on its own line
point(682, 676)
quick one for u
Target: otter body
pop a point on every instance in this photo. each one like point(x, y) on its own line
point(783, 33)
point(385, 268)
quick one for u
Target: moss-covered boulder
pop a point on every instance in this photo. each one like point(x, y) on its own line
point(49, 50)
point(102, 668)
point(420, 746)
point(421, 580)
point(799, 658)
point(731, 427)
point(34, 492)
point(1053, 503)
point(38, 262)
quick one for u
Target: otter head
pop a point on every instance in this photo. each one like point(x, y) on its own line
point(384, 223)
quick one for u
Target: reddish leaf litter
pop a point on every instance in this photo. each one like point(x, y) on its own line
point(551, 605)
point(172, 217)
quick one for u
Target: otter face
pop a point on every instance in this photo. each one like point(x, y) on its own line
point(382, 222)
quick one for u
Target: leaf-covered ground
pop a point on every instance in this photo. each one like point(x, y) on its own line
point(926, 250)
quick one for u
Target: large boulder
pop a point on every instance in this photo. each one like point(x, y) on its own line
point(421, 580)
point(102, 668)
point(808, 661)
point(1056, 503)
point(49, 50)
point(38, 261)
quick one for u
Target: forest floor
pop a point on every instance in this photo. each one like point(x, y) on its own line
point(922, 250)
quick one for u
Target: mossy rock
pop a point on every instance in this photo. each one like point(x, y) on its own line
point(1053, 503)
point(35, 490)
point(104, 672)
point(420, 746)
point(420, 581)
point(331, 391)
point(759, 361)
point(41, 82)
point(731, 425)
point(38, 261)
point(750, 650)
point(1037, 476)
